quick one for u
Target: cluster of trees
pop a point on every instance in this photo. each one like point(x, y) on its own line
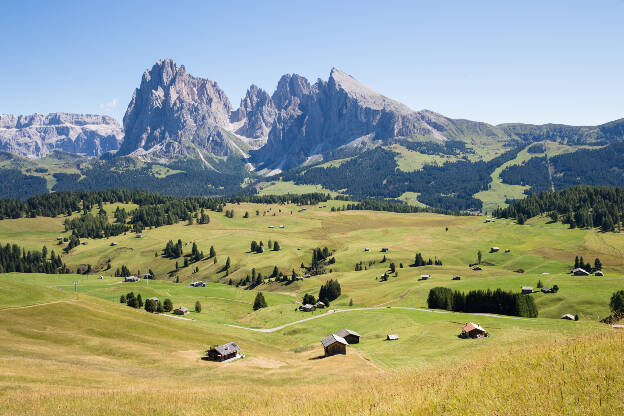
point(131, 300)
point(420, 261)
point(259, 302)
point(73, 242)
point(16, 184)
point(94, 226)
point(320, 257)
point(482, 301)
point(203, 218)
point(391, 205)
point(257, 248)
point(229, 213)
point(173, 250)
point(579, 206)
point(329, 291)
point(579, 262)
point(13, 258)
point(124, 271)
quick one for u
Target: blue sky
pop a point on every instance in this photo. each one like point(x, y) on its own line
point(493, 61)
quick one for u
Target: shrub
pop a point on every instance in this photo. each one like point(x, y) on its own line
point(198, 307)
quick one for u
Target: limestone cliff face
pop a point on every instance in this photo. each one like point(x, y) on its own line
point(334, 113)
point(38, 135)
point(172, 109)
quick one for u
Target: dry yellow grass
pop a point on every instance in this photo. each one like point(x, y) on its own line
point(577, 377)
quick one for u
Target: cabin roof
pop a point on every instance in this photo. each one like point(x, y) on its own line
point(471, 326)
point(226, 349)
point(332, 339)
point(344, 332)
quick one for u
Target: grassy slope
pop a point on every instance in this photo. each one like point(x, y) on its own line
point(283, 188)
point(88, 353)
point(75, 356)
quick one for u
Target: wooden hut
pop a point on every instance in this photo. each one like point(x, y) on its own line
point(181, 311)
point(568, 316)
point(131, 279)
point(223, 352)
point(334, 344)
point(392, 337)
point(351, 337)
point(580, 272)
point(526, 290)
point(472, 330)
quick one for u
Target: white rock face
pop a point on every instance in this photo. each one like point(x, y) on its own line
point(38, 135)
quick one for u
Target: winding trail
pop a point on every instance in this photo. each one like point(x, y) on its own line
point(334, 311)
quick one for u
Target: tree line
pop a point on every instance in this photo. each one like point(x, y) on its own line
point(482, 301)
point(13, 258)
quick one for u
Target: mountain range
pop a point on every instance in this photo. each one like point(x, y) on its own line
point(187, 123)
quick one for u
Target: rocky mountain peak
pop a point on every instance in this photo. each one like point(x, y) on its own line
point(255, 114)
point(172, 107)
point(366, 97)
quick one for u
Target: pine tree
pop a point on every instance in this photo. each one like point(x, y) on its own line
point(198, 307)
point(167, 305)
point(259, 302)
point(213, 253)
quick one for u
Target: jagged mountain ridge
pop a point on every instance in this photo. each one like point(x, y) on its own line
point(173, 111)
point(37, 135)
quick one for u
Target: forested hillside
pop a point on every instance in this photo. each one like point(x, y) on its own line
point(603, 166)
point(578, 206)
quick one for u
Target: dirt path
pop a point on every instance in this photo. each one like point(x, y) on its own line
point(401, 296)
point(37, 304)
point(333, 311)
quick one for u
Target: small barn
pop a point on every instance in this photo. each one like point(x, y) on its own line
point(139, 236)
point(456, 278)
point(547, 290)
point(385, 250)
point(308, 308)
point(334, 344)
point(425, 276)
point(154, 299)
point(148, 276)
point(223, 352)
point(113, 243)
point(507, 250)
point(494, 249)
point(580, 272)
point(568, 316)
point(392, 337)
point(84, 243)
point(472, 330)
point(319, 305)
point(367, 249)
point(526, 290)
point(131, 279)
point(181, 311)
point(477, 268)
point(598, 273)
point(617, 326)
point(351, 337)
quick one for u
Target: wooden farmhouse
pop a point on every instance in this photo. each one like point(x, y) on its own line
point(392, 337)
point(351, 337)
point(131, 279)
point(472, 330)
point(223, 352)
point(334, 344)
point(568, 316)
point(598, 273)
point(526, 290)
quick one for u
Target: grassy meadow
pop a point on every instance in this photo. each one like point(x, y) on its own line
point(65, 352)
